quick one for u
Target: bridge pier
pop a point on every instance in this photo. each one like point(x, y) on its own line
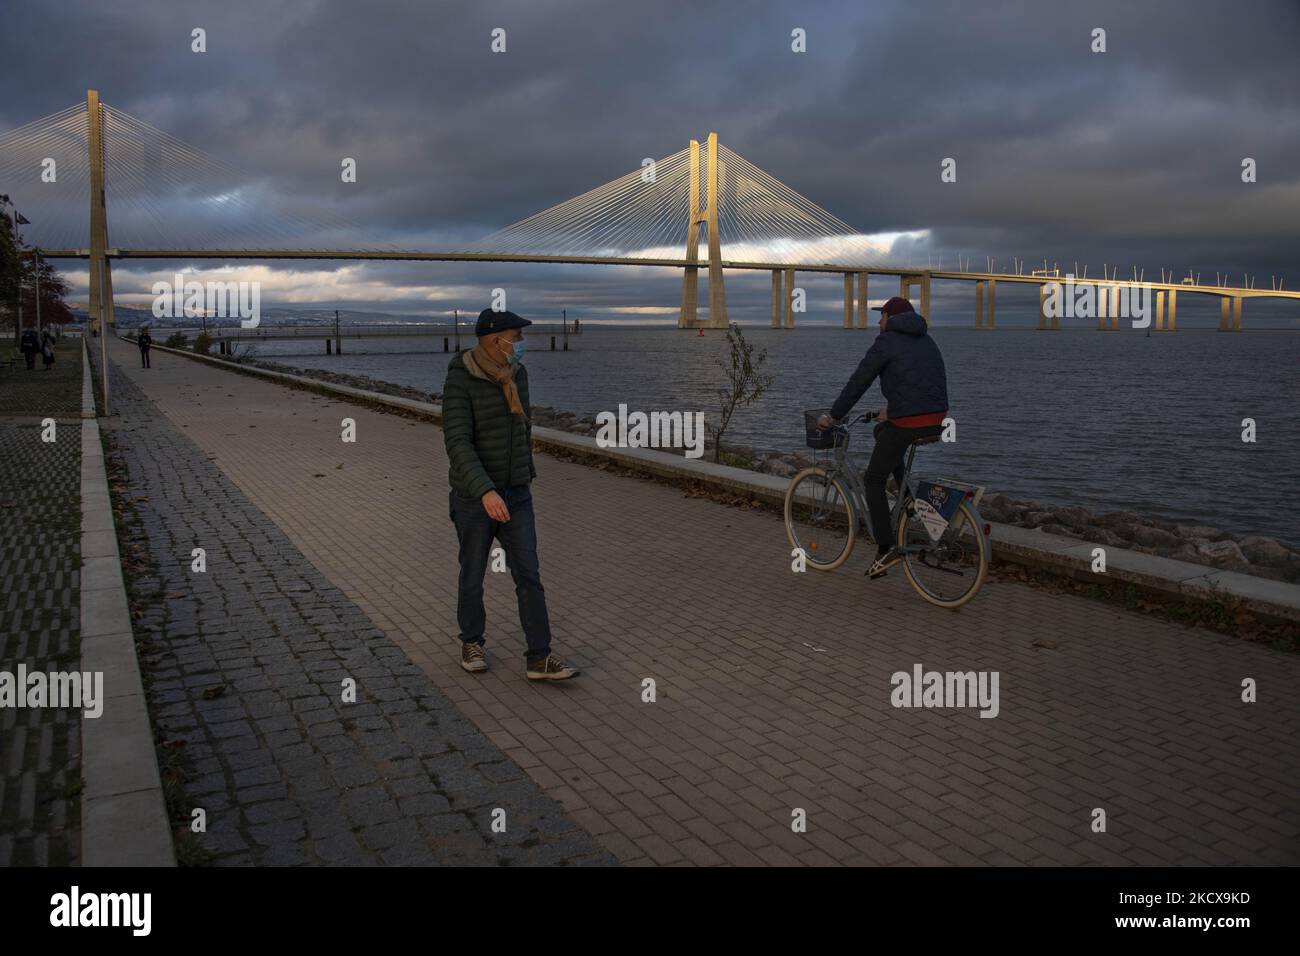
point(848, 300)
point(1160, 311)
point(789, 298)
point(980, 286)
point(1238, 303)
point(776, 298)
point(862, 300)
point(1171, 321)
point(905, 283)
point(1107, 308)
point(1042, 307)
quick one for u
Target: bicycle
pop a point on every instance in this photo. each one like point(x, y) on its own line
point(936, 524)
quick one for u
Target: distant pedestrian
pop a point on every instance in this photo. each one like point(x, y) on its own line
point(30, 345)
point(144, 340)
point(47, 347)
point(488, 435)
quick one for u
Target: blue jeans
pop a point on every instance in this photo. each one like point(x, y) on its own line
point(518, 537)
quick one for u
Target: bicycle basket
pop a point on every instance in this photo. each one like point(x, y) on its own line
point(821, 437)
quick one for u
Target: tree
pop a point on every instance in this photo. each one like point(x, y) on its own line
point(745, 382)
point(9, 269)
point(53, 287)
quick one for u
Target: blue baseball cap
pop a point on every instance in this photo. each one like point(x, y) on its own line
point(490, 321)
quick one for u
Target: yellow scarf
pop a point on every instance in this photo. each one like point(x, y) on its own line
point(482, 364)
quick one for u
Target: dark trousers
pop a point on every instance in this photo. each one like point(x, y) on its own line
point(144, 358)
point(887, 458)
point(31, 359)
point(518, 537)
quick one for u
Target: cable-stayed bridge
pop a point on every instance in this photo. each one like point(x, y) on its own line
point(169, 200)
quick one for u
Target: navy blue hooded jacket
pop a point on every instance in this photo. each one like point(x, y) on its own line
point(909, 366)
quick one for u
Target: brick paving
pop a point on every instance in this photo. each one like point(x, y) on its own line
point(245, 665)
point(773, 688)
point(40, 609)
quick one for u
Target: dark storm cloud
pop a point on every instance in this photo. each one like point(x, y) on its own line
point(1131, 157)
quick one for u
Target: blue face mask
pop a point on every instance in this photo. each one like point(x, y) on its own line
point(517, 351)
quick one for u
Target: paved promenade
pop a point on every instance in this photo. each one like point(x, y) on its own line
point(246, 664)
point(773, 689)
point(40, 605)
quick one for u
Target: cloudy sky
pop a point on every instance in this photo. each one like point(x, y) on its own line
point(1130, 157)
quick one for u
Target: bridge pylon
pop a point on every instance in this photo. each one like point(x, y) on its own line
point(101, 273)
point(688, 317)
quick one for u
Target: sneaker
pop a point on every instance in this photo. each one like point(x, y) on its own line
point(884, 561)
point(472, 657)
point(551, 668)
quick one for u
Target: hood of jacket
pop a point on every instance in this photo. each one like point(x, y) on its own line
point(908, 323)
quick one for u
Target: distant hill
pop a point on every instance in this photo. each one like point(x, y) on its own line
point(129, 316)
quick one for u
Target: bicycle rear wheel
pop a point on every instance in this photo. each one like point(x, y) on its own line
point(947, 572)
point(819, 519)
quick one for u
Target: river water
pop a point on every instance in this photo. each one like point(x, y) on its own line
point(1108, 421)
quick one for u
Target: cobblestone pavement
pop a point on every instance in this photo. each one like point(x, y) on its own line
point(773, 689)
point(40, 608)
point(56, 392)
point(246, 663)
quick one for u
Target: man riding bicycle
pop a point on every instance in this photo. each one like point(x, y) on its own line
point(915, 385)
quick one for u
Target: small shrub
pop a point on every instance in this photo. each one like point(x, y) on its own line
point(202, 343)
point(176, 340)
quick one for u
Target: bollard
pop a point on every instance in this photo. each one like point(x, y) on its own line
point(329, 347)
point(445, 347)
point(552, 343)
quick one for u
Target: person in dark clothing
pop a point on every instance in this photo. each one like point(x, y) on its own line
point(488, 435)
point(144, 340)
point(47, 348)
point(915, 385)
point(30, 345)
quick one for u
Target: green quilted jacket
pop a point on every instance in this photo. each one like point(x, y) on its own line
point(487, 447)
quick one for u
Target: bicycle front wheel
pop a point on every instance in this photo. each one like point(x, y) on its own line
point(949, 571)
point(819, 519)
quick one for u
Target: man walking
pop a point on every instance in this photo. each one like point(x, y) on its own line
point(144, 340)
point(30, 345)
point(915, 384)
point(488, 435)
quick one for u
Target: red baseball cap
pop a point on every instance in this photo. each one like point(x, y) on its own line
point(895, 306)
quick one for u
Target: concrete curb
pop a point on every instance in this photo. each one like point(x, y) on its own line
point(123, 812)
point(1068, 556)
